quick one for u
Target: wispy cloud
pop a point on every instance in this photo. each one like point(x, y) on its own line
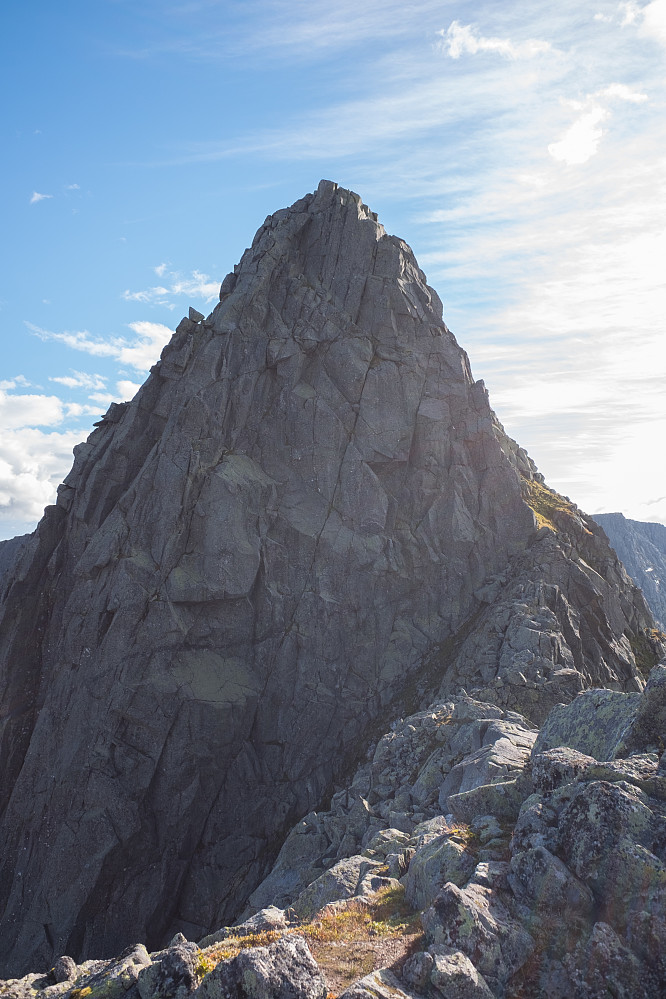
point(11, 383)
point(139, 353)
point(150, 339)
point(79, 379)
point(459, 39)
point(36, 197)
point(197, 286)
point(279, 30)
point(581, 140)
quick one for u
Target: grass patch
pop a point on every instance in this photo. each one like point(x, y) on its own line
point(347, 941)
point(463, 834)
point(351, 941)
point(548, 506)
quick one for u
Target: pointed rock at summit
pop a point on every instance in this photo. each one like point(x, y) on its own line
point(306, 515)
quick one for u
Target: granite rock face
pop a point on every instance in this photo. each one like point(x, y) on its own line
point(9, 553)
point(642, 548)
point(305, 521)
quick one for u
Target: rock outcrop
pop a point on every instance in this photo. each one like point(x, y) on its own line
point(642, 548)
point(548, 882)
point(305, 522)
point(9, 553)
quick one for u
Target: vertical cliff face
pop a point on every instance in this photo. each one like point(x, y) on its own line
point(246, 568)
point(642, 548)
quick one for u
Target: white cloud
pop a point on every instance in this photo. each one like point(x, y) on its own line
point(649, 20)
point(32, 464)
point(631, 12)
point(73, 187)
point(197, 285)
point(103, 398)
point(29, 410)
point(79, 379)
point(11, 383)
point(140, 353)
point(623, 93)
point(157, 295)
point(80, 340)
point(75, 410)
point(581, 140)
point(38, 197)
point(654, 21)
point(151, 338)
point(126, 389)
point(459, 38)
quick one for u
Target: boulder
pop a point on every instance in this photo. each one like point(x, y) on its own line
point(283, 970)
point(176, 972)
point(441, 860)
point(348, 878)
point(592, 724)
point(603, 966)
point(270, 918)
point(380, 984)
point(646, 728)
point(445, 972)
point(477, 922)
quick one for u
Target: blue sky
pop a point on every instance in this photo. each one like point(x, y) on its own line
point(519, 149)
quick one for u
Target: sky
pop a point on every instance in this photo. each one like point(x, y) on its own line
point(518, 148)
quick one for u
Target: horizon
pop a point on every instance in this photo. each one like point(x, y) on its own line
point(518, 153)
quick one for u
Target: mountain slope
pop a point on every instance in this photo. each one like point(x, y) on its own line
point(290, 535)
point(642, 548)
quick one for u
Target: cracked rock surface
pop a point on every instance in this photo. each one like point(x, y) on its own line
point(306, 521)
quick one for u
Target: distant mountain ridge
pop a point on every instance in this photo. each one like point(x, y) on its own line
point(641, 547)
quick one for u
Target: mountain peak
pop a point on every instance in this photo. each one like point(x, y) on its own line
point(306, 521)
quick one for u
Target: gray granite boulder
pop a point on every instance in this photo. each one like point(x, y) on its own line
point(269, 919)
point(380, 984)
point(347, 879)
point(441, 860)
point(283, 970)
point(476, 921)
point(173, 975)
point(445, 972)
point(572, 724)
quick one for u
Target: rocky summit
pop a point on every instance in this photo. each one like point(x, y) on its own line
point(307, 527)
